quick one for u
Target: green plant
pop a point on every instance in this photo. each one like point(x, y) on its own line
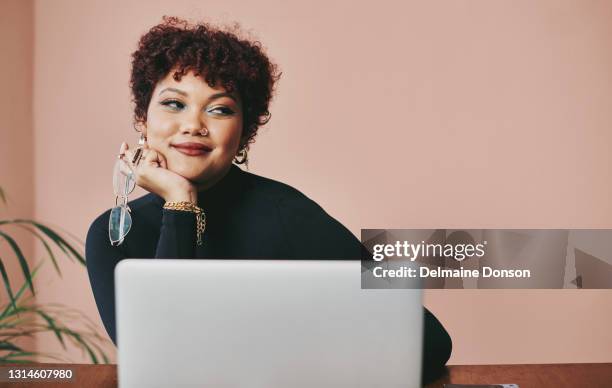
point(22, 317)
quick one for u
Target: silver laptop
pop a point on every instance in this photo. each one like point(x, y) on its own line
point(259, 323)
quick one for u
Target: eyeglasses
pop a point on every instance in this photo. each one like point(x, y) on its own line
point(120, 220)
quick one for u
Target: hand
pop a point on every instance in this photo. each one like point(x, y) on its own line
point(152, 174)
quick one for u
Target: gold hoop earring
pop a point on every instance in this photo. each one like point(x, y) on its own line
point(242, 157)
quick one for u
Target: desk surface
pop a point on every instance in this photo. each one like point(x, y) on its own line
point(527, 376)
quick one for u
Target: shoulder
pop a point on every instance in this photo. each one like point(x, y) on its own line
point(271, 189)
point(290, 202)
point(311, 231)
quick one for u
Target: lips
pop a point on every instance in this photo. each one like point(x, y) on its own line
point(193, 146)
point(192, 149)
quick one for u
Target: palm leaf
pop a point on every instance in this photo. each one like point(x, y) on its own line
point(66, 232)
point(7, 284)
point(18, 354)
point(47, 247)
point(13, 360)
point(101, 352)
point(86, 340)
point(83, 340)
point(32, 361)
point(6, 345)
point(52, 326)
point(56, 238)
point(20, 318)
point(7, 309)
point(11, 324)
point(25, 268)
point(77, 337)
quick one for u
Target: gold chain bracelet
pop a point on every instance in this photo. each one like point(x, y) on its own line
point(190, 207)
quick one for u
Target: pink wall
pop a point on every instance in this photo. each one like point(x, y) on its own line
point(16, 157)
point(416, 114)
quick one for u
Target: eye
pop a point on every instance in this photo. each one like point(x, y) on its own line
point(221, 110)
point(174, 104)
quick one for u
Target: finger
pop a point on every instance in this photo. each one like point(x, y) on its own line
point(122, 149)
point(128, 155)
point(125, 169)
point(151, 158)
point(162, 160)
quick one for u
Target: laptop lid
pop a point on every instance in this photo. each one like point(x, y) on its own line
point(259, 323)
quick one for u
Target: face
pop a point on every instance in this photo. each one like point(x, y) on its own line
point(181, 113)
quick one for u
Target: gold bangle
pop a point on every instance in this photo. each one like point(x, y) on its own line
point(191, 207)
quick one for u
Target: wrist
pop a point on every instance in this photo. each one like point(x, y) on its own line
point(193, 208)
point(182, 196)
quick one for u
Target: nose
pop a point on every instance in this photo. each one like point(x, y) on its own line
point(193, 125)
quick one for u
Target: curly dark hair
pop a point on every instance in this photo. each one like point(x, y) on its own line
point(219, 55)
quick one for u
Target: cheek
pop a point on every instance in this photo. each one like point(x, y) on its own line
point(158, 132)
point(229, 139)
point(157, 139)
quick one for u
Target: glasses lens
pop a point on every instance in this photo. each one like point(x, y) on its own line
point(119, 224)
point(123, 178)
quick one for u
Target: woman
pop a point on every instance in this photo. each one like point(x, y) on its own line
point(200, 95)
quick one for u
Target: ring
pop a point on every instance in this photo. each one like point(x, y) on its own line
point(137, 156)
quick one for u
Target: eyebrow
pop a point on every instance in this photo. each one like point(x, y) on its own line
point(212, 97)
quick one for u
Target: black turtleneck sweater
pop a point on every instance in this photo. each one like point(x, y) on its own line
point(247, 217)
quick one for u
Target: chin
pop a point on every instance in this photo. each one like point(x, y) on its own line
point(194, 176)
point(201, 175)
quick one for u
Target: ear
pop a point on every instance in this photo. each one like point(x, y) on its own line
point(141, 126)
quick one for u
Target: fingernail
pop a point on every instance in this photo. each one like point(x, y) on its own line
point(121, 148)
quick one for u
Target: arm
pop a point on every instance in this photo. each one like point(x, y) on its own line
point(437, 348)
point(314, 234)
point(311, 233)
point(176, 240)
